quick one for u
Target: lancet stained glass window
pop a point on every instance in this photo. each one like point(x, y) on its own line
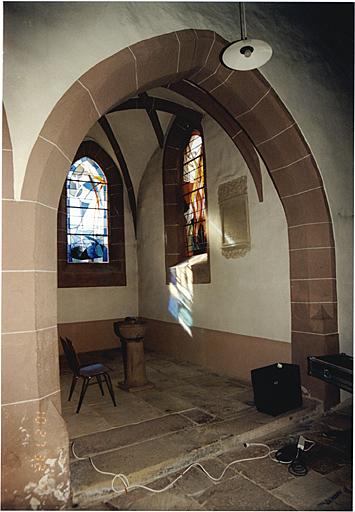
point(87, 213)
point(194, 194)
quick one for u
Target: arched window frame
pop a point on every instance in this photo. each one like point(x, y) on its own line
point(113, 273)
point(174, 220)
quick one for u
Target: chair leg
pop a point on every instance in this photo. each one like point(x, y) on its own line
point(72, 387)
point(99, 381)
point(110, 387)
point(83, 391)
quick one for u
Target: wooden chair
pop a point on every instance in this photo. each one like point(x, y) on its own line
point(85, 372)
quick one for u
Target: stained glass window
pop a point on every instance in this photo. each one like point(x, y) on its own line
point(194, 194)
point(87, 214)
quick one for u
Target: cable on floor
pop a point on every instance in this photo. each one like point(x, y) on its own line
point(128, 487)
point(291, 454)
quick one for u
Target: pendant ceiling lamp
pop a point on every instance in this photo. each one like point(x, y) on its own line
point(247, 53)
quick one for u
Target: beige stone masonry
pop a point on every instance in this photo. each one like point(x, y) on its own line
point(35, 356)
point(22, 250)
point(35, 452)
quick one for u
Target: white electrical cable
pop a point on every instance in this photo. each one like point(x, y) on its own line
point(312, 444)
point(128, 487)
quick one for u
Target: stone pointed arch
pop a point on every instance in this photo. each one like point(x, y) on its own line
point(194, 56)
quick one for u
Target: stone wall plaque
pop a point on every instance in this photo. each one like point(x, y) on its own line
point(233, 207)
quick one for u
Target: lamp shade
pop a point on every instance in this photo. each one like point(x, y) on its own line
point(246, 54)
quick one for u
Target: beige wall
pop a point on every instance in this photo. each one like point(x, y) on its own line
point(40, 40)
point(248, 295)
point(84, 305)
point(87, 304)
point(103, 303)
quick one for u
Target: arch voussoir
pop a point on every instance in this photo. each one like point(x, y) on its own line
point(279, 120)
point(297, 177)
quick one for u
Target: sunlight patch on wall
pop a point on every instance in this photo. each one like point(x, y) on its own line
point(181, 291)
point(228, 238)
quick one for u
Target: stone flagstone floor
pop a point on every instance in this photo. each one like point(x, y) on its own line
point(260, 484)
point(187, 395)
point(181, 387)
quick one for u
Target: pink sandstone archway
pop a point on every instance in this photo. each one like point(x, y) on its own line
point(191, 55)
point(7, 163)
point(249, 98)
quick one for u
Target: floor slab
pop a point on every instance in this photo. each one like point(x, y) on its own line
point(239, 493)
point(115, 438)
point(307, 493)
point(263, 472)
point(192, 415)
point(179, 387)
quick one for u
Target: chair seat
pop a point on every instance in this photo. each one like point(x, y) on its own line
point(86, 371)
point(93, 369)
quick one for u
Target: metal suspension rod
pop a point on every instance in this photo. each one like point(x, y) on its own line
point(243, 23)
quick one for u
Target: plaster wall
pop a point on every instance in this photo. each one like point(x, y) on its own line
point(137, 140)
point(249, 295)
point(108, 302)
point(77, 305)
point(49, 45)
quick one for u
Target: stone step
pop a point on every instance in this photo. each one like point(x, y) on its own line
point(156, 448)
point(128, 435)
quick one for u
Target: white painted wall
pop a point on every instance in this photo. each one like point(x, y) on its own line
point(248, 295)
point(137, 139)
point(107, 302)
point(104, 303)
point(48, 45)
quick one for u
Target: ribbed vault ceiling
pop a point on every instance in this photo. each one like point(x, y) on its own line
point(135, 134)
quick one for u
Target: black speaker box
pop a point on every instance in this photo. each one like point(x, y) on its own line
point(277, 388)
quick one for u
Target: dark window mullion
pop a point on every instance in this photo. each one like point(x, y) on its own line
point(187, 224)
point(192, 159)
point(190, 147)
point(199, 210)
point(92, 182)
point(190, 223)
point(85, 234)
point(196, 190)
point(88, 208)
point(192, 170)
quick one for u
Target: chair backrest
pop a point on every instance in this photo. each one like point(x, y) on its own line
point(116, 328)
point(71, 356)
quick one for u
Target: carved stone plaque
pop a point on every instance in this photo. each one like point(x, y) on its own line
point(233, 207)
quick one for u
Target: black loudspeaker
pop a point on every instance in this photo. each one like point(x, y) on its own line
point(277, 388)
